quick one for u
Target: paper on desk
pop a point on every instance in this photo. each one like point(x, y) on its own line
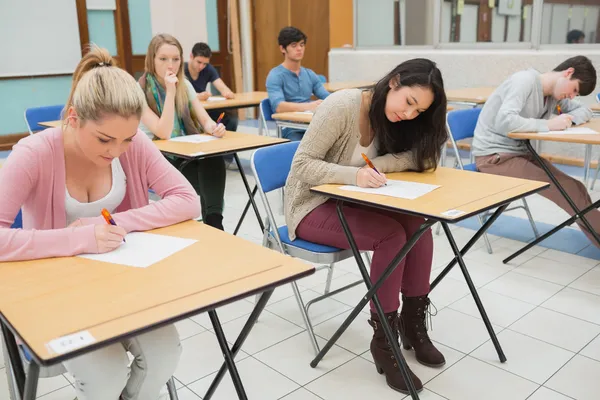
point(142, 250)
point(398, 189)
point(572, 131)
point(216, 98)
point(193, 138)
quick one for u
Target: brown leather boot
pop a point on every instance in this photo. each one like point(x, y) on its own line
point(385, 362)
point(413, 331)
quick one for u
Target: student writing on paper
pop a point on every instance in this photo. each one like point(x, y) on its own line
point(63, 177)
point(200, 73)
point(290, 85)
point(525, 102)
point(174, 110)
point(399, 125)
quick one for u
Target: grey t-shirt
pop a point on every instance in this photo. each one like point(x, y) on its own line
point(519, 105)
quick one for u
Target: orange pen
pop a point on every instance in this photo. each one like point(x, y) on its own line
point(558, 109)
point(370, 164)
point(108, 218)
point(220, 118)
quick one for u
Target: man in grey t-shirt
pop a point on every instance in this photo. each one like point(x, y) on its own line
point(529, 101)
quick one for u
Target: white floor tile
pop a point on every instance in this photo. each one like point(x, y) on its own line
point(592, 350)
point(319, 278)
point(501, 310)
point(447, 292)
point(481, 273)
point(355, 380)
point(589, 282)
point(524, 288)
point(260, 382)
point(66, 393)
point(578, 379)
point(552, 271)
point(47, 385)
point(226, 313)
point(567, 258)
point(301, 394)
point(357, 336)
point(3, 385)
point(187, 394)
point(292, 358)
point(500, 253)
point(459, 331)
point(188, 328)
point(269, 330)
point(558, 329)
point(318, 312)
point(546, 394)
point(281, 293)
point(578, 304)
point(471, 379)
point(527, 357)
point(201, 356)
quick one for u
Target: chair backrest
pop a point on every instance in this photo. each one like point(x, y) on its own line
point(35, 115)
point(271, 165)
point(265, 110)
point(18, 223)
point(461, 123)
point(322, 78)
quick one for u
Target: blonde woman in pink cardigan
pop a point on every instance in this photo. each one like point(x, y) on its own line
point(61, 178)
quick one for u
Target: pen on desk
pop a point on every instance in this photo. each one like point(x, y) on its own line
point(108, 218)
point(370, 164)
point(558, 109)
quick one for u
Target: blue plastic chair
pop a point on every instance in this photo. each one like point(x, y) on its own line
point(322, 78)
point(18, 222)
point(461, 125)
point(598, 97)
point(598, 167)
point(35, 115)
point(265, 116)
point(271, 166)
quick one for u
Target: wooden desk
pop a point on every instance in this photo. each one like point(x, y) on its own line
point(595, 108)
point(47, 299)
point(470, 96)
point(51, 124)
point(241, 100)
point(462, 194)
point(335, 86)
point(232, 142)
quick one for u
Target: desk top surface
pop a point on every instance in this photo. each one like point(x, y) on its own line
point(48, 299)
point(476, 95)
point(579, 139)
point(246, 99)
point(461, 193)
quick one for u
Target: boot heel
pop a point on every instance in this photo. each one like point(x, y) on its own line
point(379, 369)
point(405, 342)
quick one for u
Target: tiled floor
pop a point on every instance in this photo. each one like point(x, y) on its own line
point(545, 307)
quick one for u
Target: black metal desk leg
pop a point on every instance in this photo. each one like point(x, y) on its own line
point(372, 295)
point(16, 365)
point(31, 382)
point(239, 224)
point(235, 376)
point(469, 244)
point(250, 195)
point(258, 309)
point(473, 289)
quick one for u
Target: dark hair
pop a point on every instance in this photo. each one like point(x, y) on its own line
point(574, 36)
point(201, 50)
point(584, 72)
point(289, 35)
point(424, 135)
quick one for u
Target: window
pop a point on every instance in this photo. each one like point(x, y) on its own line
point(496, 21)
point(570, 21)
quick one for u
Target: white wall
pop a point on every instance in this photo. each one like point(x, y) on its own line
point(184, 19)
point(460, 68)
point(375, 20)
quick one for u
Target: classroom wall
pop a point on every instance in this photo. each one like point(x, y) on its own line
point(460, 68)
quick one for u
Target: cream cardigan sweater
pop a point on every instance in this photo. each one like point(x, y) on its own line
point(324, 156)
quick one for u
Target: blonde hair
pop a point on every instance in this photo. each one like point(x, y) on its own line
point(100, 88)
point(181, 95)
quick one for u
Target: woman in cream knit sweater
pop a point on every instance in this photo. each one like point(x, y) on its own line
point(399, 125)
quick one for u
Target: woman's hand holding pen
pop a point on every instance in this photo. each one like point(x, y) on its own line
point(108, 237)
point(367, 177)
point(560, 122)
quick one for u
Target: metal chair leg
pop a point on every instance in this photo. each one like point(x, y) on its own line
point(309, 328)
point(172, 389)
point(485, 237)
point(595, 175)
point(329, 278)
point(531, 221)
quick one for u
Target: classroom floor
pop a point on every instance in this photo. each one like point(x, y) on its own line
point(545, 307)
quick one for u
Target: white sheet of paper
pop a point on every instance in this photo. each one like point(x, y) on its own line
point(71, 342)
point(216, 98)
point(142, 250)
point(194, 138)
point(572, 131)
point(398, 189)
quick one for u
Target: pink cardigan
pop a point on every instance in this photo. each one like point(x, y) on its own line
point(33, 179)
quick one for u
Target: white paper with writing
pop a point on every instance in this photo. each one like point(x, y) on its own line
point(194, 138)
point(398, 189)
point(71, 342)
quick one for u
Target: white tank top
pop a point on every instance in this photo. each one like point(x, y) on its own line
point(356, 160)
point(75, 210)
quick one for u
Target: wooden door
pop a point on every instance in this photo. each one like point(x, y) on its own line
point(312, 18)
point(222, 59)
